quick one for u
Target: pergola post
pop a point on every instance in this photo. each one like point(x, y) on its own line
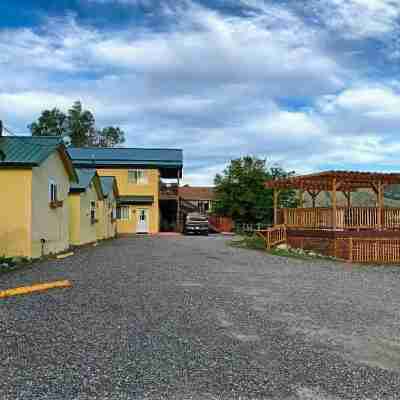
point(301, 198)
point(276, 194)
point(313, 194)
point(380, 202)
point(334, 203)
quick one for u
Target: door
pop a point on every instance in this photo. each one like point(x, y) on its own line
point(143, 221)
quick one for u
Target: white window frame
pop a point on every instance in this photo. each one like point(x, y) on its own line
point(126, 215)
point(53, 190)
point(138, 176)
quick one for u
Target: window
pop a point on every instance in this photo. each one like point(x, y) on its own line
point(123, 212)
point(53, 195)
point(137, 176)
point(93, 212)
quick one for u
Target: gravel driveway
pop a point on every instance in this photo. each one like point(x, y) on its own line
point(192, 318)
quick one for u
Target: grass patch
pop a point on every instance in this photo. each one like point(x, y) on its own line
point(8, 264)
point(252, 242)
point(255, 242)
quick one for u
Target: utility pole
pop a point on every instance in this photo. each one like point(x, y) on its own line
point(1, 127)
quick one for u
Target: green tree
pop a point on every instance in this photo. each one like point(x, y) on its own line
point(81, 126)
point(241, 192)
point(110, 136)
point(50, 123)
point(78, 125)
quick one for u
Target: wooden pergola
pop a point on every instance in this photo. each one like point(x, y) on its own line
point(336, 181)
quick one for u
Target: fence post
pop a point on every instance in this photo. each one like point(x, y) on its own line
point(351, 249)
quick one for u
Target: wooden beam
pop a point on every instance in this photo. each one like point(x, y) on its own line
point(334, 203)
point(314, 194)
point(348, 198)
point(380, 201)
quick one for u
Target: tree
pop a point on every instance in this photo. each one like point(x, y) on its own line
point(241, 193)
point(110, 136)
point(50, 123)
point(78, 125)
point(81, 126)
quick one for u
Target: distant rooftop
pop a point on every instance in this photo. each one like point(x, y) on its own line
point(197, 192)
point(169, 161)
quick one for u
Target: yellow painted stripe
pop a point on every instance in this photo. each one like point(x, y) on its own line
point(41, 287)
point(65, 255)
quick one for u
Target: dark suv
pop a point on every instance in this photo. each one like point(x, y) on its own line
point(196, 224)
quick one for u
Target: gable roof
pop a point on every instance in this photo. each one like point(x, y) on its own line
point(31, 151)
point(343, 180)
point(109, 184)
point(197, 192)
point(86, 176)
point(169, 161)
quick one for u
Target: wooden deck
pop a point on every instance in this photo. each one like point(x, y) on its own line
point(343, 218)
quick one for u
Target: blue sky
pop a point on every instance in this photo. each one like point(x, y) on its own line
point(307, 84)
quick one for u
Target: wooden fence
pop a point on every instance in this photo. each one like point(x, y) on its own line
point(380, 251)
point(346, 218)
point(273, 236)
point(221, 224)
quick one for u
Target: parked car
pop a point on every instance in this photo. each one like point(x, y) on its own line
point(196, 224)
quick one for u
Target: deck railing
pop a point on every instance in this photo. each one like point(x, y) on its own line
point(273, 236)
point(346, 218)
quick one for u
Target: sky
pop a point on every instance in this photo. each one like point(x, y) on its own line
point(306, 84)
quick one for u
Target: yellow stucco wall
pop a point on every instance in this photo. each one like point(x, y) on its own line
point(129, 189)
point(47, 223)
point(81, 229)
point(107, 227)
point(74, 203)
point(15, 212)
point(101, 220)
point(88, 230)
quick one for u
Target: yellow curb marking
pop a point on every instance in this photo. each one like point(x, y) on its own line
point(65, 255)
point(34, 288)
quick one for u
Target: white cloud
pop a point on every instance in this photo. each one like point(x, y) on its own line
point(376, 101)
point(218, 85)
point(358, 19)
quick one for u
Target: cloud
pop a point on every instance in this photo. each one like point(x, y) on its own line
point(371, 101)
point(220, 84)
point(358, 19)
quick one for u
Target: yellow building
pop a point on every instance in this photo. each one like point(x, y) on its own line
point(138, 173)
point(85, 208)
point(35, 176)
point(107, 228)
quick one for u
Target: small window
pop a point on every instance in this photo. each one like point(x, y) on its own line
point(92, 212)
point(137, 176)
point(123, 212)
point(53, 195)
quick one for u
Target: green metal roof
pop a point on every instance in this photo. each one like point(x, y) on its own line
point(31, 151)
point(86, 176)
point(108, 183)
point(169, 161)
point(28, 150)
point(135, 199)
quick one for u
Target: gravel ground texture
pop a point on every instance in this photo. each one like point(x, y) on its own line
point(193, 318)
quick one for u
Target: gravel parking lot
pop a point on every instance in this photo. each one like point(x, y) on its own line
point(193, 318)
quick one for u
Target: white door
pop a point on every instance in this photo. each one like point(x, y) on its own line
point(143, 221)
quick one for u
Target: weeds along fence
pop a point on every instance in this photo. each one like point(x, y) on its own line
point(249, 229)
